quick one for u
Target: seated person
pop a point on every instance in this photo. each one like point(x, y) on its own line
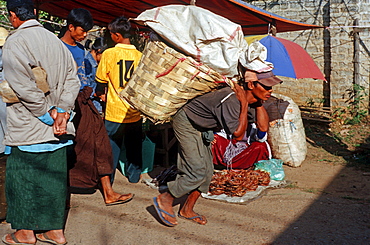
point(252, 148)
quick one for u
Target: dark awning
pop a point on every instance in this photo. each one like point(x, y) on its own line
point(252, 19)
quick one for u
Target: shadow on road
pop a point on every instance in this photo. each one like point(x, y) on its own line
point(341, 214)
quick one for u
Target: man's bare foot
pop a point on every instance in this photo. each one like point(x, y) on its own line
point(192, 216)
point(110, 196)
point(20, 236)
point(53, 236)
point(114, 196)
point(119, 199)
point(163, 204)
point(187, 210)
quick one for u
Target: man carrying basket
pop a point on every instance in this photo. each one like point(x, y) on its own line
point(226, 108)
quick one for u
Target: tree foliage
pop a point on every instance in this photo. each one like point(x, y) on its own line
point(4, 17)
point(50, 22)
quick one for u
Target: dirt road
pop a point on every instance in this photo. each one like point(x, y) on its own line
point(327, 203)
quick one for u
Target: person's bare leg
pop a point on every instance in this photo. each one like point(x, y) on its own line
point(55, 235)
point(187, 210)
point(165, 202)
point(25, 236)
point(110, 196)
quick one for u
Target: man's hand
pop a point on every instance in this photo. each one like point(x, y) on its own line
point(103, 97)
point(242, 97)
point(240, 93)
point(256, 104)
point(53, 113)
point(60, 122)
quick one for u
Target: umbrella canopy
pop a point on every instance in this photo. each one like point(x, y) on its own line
point(289, 59)
point(253, 20)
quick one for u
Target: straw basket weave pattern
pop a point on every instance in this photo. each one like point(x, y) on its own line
point(165, 80)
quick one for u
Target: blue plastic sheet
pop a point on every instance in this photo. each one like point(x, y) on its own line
point(273, 166)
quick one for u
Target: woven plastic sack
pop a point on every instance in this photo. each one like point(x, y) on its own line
point(165, 80)
point(286, 136)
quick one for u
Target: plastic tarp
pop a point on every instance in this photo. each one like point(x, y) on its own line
point(245, 199)
point(252, 19)
point(249, 196)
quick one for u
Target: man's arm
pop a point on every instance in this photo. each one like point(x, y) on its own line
point(102, 78)
point(101, 90)
point(262, 119)
point(67, 98)
point(243, 119)
point(71, 84)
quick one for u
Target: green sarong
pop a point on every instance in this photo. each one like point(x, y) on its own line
point(36, 189)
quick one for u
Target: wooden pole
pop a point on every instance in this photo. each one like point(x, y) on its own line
point(356, 55)
point(327, 56)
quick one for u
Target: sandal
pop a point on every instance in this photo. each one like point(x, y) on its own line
point(47, 239)
point(200, 217)
point(16, 241)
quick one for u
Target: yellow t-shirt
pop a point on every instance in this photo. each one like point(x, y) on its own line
point(115, 68)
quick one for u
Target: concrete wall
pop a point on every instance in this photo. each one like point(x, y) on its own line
point(332, 48)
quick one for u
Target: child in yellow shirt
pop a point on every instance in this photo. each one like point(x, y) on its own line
point(122, 122)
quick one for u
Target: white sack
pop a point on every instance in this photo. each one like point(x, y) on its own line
point(287, 136)
point(205, 36)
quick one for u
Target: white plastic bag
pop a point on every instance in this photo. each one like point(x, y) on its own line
point(287, 136)
point(207, 37)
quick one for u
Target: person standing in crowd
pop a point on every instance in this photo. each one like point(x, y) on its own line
point(123, 123)
point(3, 36)
point(92, 59)
point(193, 126)
point(91, 162)
point(36, 171)
point(79, 22)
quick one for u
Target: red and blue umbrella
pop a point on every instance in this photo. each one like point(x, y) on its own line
point(289, 59)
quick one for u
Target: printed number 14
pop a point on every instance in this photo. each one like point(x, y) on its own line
point(129, 69)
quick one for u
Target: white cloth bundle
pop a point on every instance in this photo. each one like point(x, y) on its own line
point(207, 37)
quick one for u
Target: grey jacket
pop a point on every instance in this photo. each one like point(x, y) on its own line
point(33, 45)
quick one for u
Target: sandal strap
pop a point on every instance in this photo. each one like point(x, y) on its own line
point(47, 237)
point(14, 238)
point(164, 211)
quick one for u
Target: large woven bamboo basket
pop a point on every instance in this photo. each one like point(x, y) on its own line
point(165, 80)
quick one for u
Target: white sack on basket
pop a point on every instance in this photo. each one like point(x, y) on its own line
point(205, 36)
point(287, 136)
point(255, 58)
